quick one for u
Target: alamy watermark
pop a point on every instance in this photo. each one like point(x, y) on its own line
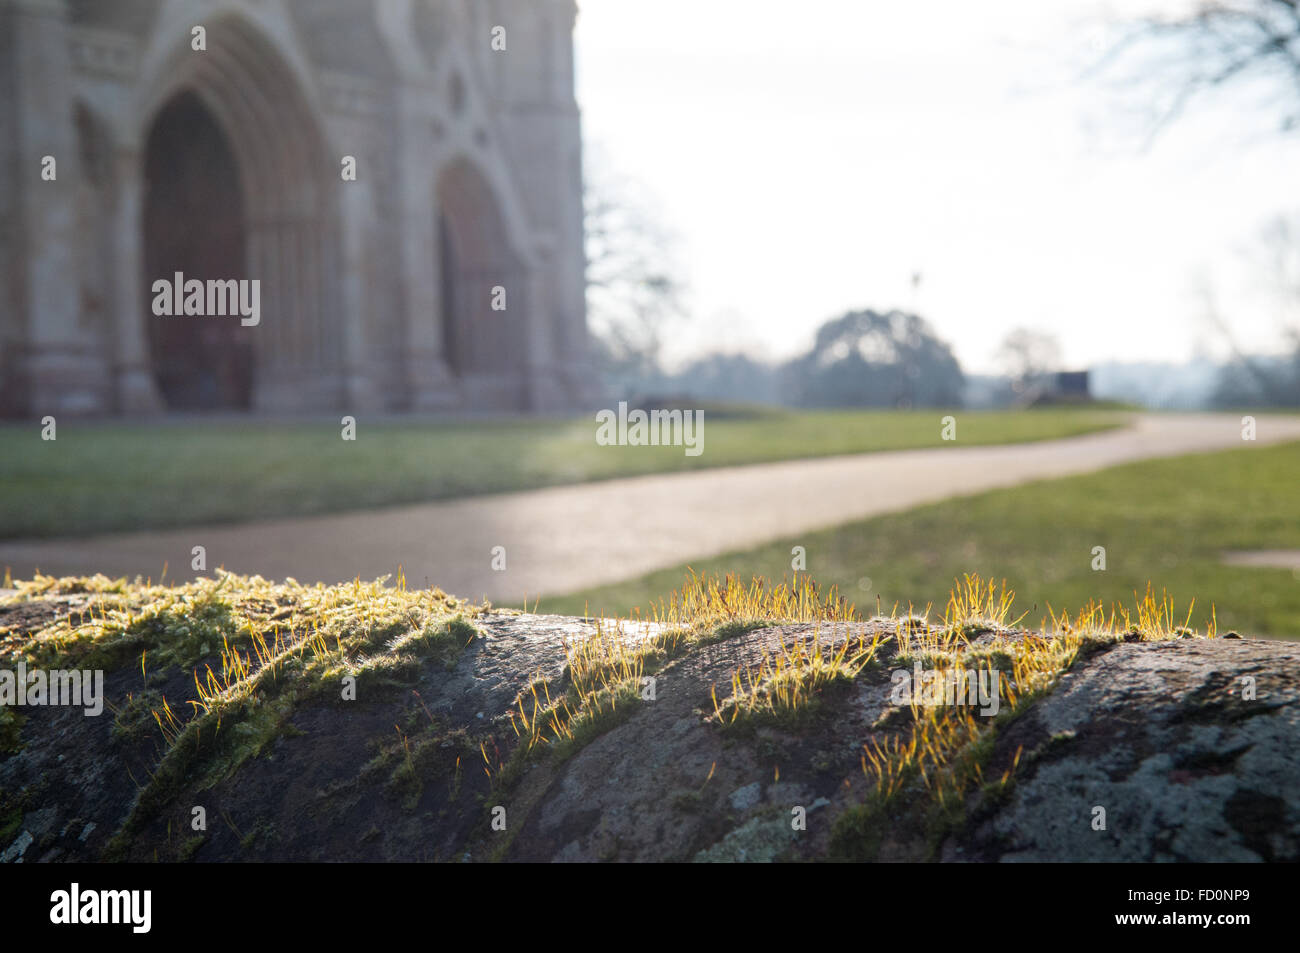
point(955, 686)
point(133, 908)
point(58, 687)
point(216, 297)
point(654, 428)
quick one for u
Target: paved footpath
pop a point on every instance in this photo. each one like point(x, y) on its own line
point(568, 538)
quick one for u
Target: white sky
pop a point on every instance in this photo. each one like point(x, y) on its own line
point(810, 155)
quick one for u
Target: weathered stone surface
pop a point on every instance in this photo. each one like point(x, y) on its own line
point(1157, 733)
point(1159, 736)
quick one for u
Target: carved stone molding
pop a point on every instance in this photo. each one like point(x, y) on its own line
point(103, 52)
point(351, 95)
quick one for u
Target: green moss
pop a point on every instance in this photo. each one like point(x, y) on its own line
point(996, 660)
point(14, 805)
point(11, 818)
point(442, 643)
point(929, 660)
point(765, 713)
point(378, 636)
point(166, 626)
point(185, 630)
point(11, 730)
point(135, 719)
point(688, 801)
point(263, 833)
point(187, 850)
point(729, 630)
point(600, 712)
point(412, 761)
point(858, 833)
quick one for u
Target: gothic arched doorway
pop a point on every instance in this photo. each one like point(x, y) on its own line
point(485, 346)
point(194, 225)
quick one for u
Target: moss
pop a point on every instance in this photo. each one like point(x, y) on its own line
point(858, 833)
point(378, 636)
point(768, 712)
point(929, 660)
point(185, 630)
point(263, 834)
point(788, 688)
point(730, 630)
point(996, 660)
point(42, 585)
point(185, 853)
point(171, 627)
point(442, 643)
point(600, 713)
point(284, 649)
point(996, 793)
point(407, 779)
point(688, 801)
point(599, 688)
point(11, 730)
point(408, 783)
point(135, 718)
point(893, 718)
point(14, 805)
point(11, 818)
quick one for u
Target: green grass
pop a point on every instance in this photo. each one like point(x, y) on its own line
point(1166, 521)
point(99, 477)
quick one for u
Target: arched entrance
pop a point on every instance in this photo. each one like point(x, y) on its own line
point(194, 224)
point(484, 347)
point(233, 138)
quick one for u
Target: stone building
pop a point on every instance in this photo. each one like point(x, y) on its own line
point(447, 275)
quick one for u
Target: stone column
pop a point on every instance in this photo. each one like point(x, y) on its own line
point(575, 369)
point(296, 359)
point(56, 360)
point(134, 388)
point(359, 223)
point(545, 391)
point(270, 367)
point(428, 378)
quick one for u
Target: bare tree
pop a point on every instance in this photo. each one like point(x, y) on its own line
point(1279, 254)
point(1276, 258)
point(1214, 44)
point(1027, 356)
point(634, 288)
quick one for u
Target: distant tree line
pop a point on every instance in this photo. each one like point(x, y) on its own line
point(634, 303)
point(870, 359)
point(860, 359)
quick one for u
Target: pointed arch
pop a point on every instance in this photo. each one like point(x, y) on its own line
point(486, 349)
point(253, 88)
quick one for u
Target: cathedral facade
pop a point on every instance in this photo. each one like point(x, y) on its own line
point(398, 181)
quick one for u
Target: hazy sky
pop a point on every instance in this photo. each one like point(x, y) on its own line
point(811, 156)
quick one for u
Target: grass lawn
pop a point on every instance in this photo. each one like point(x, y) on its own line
point(99, 477)
point(1166, 521)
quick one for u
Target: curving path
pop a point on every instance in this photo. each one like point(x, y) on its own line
point(568, 538)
